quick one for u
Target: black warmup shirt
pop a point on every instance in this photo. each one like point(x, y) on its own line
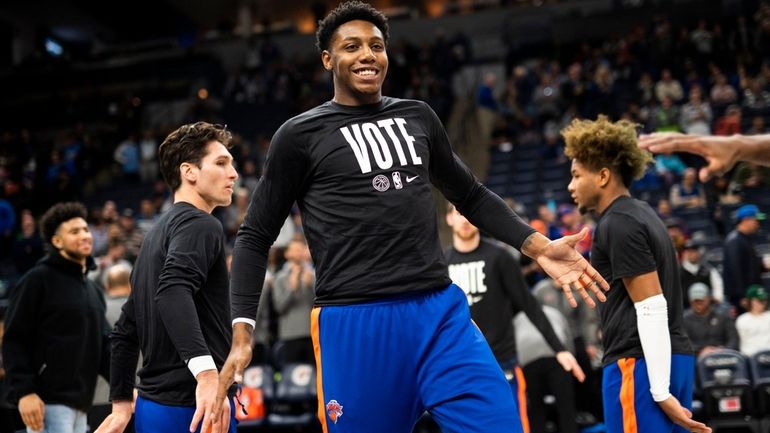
point(630, 239)
point(178, 308)
point(361, 177)
point(496, 291)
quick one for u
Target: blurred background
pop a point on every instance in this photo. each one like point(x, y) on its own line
point(89, 89)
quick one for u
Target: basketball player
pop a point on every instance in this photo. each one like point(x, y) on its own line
point(392, 336)
point(496, 291)
point(177, 313)
point(648, 362)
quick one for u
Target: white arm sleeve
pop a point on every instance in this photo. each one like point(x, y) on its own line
point(652, 323)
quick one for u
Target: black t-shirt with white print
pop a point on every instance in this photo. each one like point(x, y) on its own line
point(362, 176)
point(630, 239)
point(496, 291)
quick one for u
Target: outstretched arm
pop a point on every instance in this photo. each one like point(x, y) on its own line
point(720, 152)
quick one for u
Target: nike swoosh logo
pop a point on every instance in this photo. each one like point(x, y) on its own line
point(410, 179)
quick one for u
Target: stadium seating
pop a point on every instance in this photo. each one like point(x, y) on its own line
point(727, 390)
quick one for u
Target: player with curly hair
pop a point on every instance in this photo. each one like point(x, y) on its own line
point(648, 362)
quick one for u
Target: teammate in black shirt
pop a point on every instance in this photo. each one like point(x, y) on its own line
point(648, 362)
point(177, 313)
point(495, 288)
point(360, 168)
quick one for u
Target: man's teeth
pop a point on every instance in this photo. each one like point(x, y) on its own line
point(366, 72)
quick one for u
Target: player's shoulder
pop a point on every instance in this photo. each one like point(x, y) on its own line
point(187, 217)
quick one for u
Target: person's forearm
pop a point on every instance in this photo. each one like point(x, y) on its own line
point(242, 335)
point(755, 148)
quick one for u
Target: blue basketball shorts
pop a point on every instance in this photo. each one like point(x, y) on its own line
point(382, 364)
point(152, 417)
point(628, 404)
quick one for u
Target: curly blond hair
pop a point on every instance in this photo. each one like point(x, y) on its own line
point(600, 143)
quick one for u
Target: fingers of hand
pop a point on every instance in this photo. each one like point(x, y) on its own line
point(196, 418)
point(568, 294)
point(580, 287)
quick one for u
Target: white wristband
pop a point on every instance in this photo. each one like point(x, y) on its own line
point(652, 324)
point(200, 364)
point(251, 322)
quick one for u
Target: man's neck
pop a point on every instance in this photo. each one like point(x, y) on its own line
point(466, 245)
point(184, 194)
point(79, 261)
point(609, 197)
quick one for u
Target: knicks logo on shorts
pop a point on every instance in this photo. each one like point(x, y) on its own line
point(334, 409)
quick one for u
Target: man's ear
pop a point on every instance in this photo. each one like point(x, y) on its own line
point(605, 176)
point(188, 172)
point(326, 59)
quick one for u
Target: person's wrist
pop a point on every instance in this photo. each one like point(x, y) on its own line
point(534, 245)
point(207, 375)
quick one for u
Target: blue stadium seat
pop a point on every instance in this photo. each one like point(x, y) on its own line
point(295, 400)
point(726, 389)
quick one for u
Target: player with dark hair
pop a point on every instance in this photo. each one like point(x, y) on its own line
point(496, 291)
point(55, 341)
point(178, 309)
point(648, 362)
point(392, 336)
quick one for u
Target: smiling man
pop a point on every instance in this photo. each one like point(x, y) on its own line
point(392, 335)
point(648, 362)
point(177, 313)
point(55, 339)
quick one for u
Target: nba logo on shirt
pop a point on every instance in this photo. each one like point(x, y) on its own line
point(334, 409)
point(397, 180)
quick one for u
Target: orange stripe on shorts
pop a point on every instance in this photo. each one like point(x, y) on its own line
point(314, 332)
point(627, 394)
point(522, 399)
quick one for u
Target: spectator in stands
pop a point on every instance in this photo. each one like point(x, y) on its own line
point(116, 255)
point(669, 167)
point(668, 87)
point(645, 89)
point(132, 235)
point(688, 193)
point(127, 156)
point(665, 117)
point(572, 223)
point(754, 97)
point(548, 216)
point(722, 93)
point(754, 325)
point(487, 106)
point(730, 122)
point(742, 265)
point(543, 374)
point(696, 115)
point(293, 294)
point(693, 270)
point(148, 150)
point(233, 215)
point(148, 215)
point(708, 329)
point(584, 325)
point(28, 246)
point(750, 177)
point(757, 126)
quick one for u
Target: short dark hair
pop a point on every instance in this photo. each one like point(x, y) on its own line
point(345, 12)
point(188, 144)
point(58, 214)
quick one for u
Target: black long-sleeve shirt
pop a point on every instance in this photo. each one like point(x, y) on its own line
point(496, 291)
point(177, 310)
point(362, 179)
